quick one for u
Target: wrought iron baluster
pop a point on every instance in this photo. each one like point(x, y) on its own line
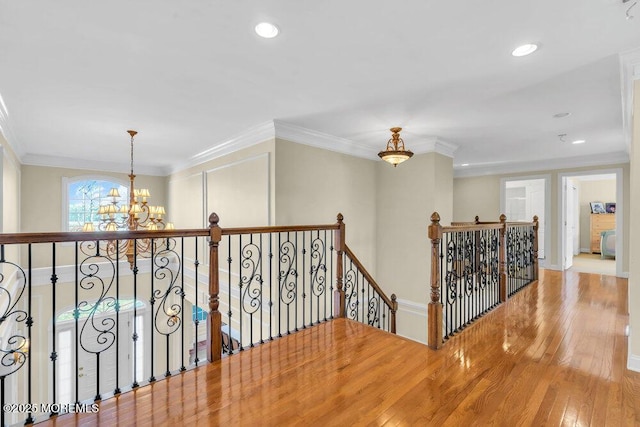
point(230, 310)
point(134, 337)
point(117, 309)
point(261, 293)
point(240, 295)
point(304, 282)
point(333, 277)
point(271, 331)
point(76, 316)
point(182, 296)
point(196, 310)
point(54, 355)
point(152, 301)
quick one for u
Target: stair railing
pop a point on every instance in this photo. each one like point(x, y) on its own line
point(474, 267)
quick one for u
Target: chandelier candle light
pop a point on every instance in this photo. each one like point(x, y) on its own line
point(395, 152)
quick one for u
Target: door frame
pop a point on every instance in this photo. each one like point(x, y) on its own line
point(544, 262)
point(620, 202)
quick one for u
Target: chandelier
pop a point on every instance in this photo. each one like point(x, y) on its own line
point(136, 214)
point(131, 215)
point(395, 152)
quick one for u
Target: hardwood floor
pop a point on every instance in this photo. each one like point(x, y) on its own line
point(555, 354)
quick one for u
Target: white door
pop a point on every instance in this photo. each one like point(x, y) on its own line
point(87, 373)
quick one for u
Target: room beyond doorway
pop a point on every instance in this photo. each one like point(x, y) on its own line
point(591, 222)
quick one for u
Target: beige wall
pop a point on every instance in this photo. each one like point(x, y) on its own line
point(592, 191)
point(481, 196)
point(476, 196)
point(406, 198)
point(43, 194)
point(634, 236)
point(239, 187)
point(314, 185)
point(41, 204)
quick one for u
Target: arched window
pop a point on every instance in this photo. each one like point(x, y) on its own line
point(84, 195)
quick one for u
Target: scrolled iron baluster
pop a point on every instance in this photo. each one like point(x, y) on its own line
point(351, 292)
point(373, 318)
point(14, 356)
point(287, 276)
point(251, 279)
point(318, 266)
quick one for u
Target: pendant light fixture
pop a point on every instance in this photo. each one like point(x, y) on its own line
point(395, 152)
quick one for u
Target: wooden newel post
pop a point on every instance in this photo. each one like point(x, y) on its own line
point(434, 310)
point(394, 310)
point(214, 319)
point(338, 296)
point(535, 247)
point(502, 255)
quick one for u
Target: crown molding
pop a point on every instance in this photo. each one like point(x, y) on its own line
point(252, 136)
point(629, 73)
point(541, 165)
point(433, 145)
point(322, 140)
point(330, 142)
point(92, 165)
point(7, 132)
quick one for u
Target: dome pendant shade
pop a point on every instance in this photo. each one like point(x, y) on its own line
point(395, 152)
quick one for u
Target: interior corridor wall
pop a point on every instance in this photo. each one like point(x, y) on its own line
point(406, 197)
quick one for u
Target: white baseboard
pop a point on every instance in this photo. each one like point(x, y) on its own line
point(415, 308)
point(585, 250)
point(633, 362)
point(553, 267)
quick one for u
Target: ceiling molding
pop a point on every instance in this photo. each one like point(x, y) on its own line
point(629, 73)
point(93, 165)
point(330, 142)
point(433, 145)
point(253, 136)
point(541, 165)
point(322, 140)
point(7, 133)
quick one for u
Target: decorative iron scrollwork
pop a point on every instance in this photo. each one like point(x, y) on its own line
point(14, 352)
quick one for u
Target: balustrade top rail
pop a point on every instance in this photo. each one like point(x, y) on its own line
point(83, 236)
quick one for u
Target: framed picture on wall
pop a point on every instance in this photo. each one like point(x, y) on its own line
point(597, 207)
point(610, 207)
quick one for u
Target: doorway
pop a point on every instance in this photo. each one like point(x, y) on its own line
point(591, 222)
point(524, 197)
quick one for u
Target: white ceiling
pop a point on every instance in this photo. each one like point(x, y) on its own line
point(188, 75)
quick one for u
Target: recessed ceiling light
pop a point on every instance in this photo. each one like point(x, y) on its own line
point(267, 30)
point(579, 141)
point(525, 49)
point(465, 164)
point(561, 115)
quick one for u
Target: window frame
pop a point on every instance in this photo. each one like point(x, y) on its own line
point(67, 181)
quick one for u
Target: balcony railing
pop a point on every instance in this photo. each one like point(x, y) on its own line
point(86, 316)
point(474, 267)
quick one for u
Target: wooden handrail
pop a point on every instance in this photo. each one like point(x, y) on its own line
point(370, 279)
point(82, 236)
point(277, 229)
point(471, 227)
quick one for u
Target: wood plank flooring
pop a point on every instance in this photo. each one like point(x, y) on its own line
point(555, 354)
